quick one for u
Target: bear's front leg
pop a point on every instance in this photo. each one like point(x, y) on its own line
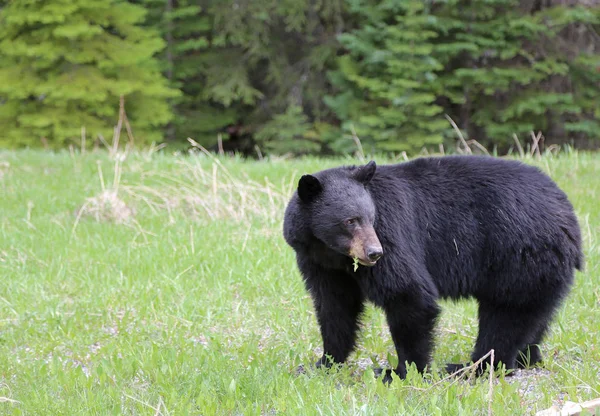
point(338, 302)
point(411, 320)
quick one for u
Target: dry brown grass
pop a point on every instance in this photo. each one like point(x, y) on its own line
point(211, 193)
point(107, 207)
point(197, 190)
point(4, 167)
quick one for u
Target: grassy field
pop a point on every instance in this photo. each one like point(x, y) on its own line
point(162, 285)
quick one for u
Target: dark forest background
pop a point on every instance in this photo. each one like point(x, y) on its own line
point(300, 76)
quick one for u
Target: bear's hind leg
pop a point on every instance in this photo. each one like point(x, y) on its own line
point(505, 329)
point(531, 354)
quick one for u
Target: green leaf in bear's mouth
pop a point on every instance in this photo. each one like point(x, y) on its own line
point(355, 263)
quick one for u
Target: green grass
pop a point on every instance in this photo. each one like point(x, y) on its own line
point(186, 299)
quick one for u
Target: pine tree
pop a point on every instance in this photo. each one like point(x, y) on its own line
point(289, 57)
point(187, 62)
point(253, 72)
point(506, 72)
point(64, 65)
point(386, 79)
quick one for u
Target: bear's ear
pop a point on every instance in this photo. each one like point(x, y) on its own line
point(309, 188)
point(365, 173)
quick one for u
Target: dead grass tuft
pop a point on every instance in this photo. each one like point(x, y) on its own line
point(107, 207)
point(4, 167)
point(211, 192)
point(195, 190)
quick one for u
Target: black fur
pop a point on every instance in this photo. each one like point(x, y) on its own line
point(450, 227)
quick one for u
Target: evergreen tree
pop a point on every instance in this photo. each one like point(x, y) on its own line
point(251, 71)
point(300, 76)
point(510, 70)
point(386, 79)
point(65, 63)
point(291, 44)
point(209, 72)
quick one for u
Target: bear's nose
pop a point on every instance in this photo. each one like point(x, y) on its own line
point(374, 253)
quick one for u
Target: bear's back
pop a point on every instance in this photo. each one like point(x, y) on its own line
point(471, 219)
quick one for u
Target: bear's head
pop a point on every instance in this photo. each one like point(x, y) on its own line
point(341, 211)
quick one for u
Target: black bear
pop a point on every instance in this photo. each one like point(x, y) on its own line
point(402, 236)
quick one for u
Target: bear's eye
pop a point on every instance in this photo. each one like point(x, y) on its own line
point(350, 222)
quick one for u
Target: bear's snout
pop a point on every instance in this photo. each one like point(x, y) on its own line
point(365, 247)
point(374, 253)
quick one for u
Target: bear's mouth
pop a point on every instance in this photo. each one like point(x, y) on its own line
point(368, 263)
point(363, 261)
